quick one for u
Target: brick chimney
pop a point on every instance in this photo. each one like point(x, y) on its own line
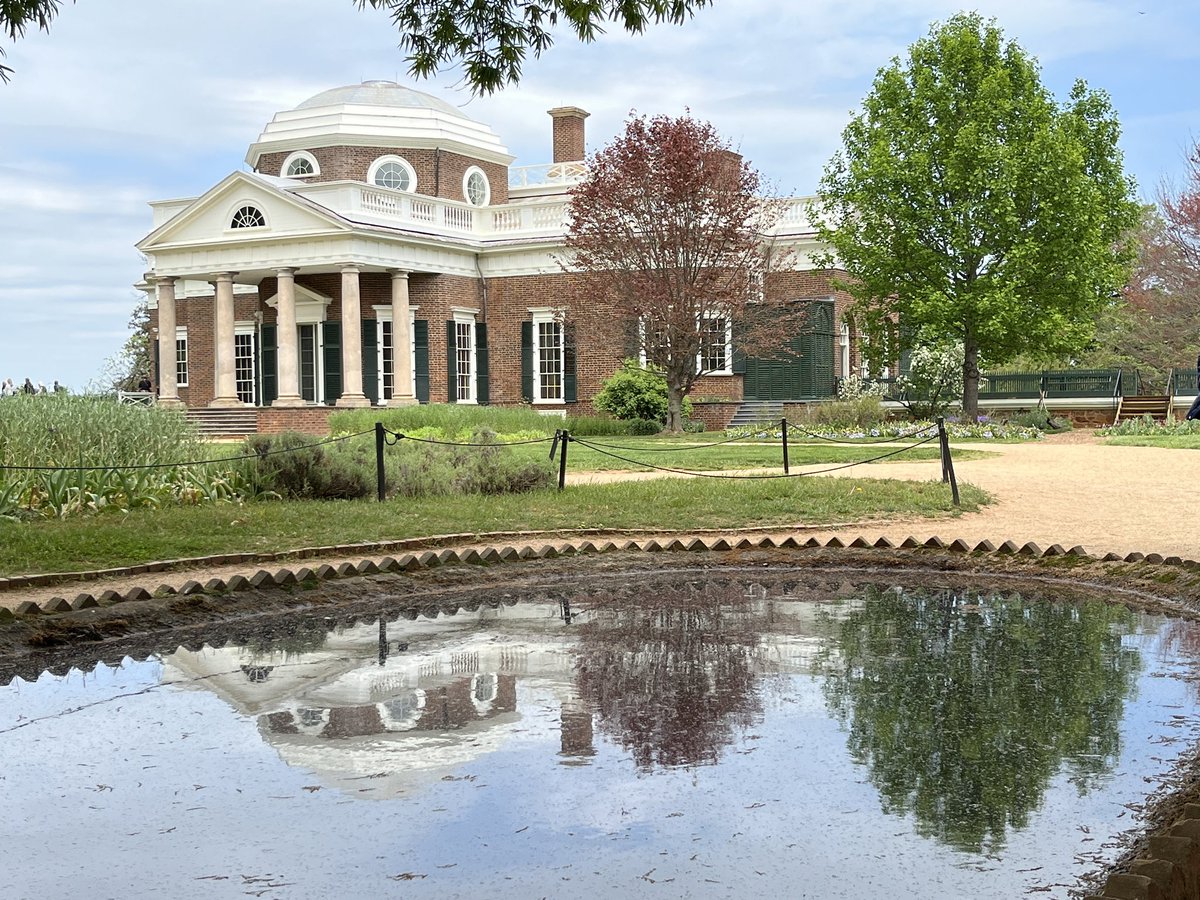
point(568, 133)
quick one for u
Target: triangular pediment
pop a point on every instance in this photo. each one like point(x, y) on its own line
point(209, 219)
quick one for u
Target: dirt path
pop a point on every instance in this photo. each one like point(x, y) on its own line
point(1068, 489)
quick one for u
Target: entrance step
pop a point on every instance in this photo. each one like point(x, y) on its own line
point(224, 422)
point(1154, 406)
point(755, 412)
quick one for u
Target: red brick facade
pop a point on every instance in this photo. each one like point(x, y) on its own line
point(439, 172)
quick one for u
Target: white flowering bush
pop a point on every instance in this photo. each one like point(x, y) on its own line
point(982, 430)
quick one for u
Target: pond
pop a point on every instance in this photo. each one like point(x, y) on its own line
point(708, 738)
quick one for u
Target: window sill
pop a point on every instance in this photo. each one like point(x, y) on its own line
point(717, 375)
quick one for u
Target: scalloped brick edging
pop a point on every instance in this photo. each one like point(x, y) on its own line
point(407, 562)
point(1169, 871)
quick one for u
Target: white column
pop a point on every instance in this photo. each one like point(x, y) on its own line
point(168, 388)
point(286, 354)
point(352, 386)
point(225, 383)
point(402, 376)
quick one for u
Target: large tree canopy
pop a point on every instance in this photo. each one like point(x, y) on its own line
point(668, 232)
point(489, 38)
point(971, 207)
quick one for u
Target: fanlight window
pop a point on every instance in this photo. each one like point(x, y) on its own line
point(300, 166)
point(248, 217)
point(393, 175)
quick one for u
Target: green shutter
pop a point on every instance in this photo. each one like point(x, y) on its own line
point(527, 361)
point(421, 363)
point(268, 359)
point(739, 355)
point(451, 365)
point(481, 363)
point(370, 360)
point(331, 354)
point(570, 392)
point(157, 367)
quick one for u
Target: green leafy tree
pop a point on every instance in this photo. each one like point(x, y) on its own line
point(489, 38)
point(970, 206)
point(134, 361)
point(963, 708)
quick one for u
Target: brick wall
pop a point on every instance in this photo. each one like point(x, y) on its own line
point(568, 133)
point(307, 420)
point(439, 172)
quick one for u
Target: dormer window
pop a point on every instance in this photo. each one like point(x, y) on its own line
point(475, 187)
point(300, 164)
point(393, 172)
point(248, 217)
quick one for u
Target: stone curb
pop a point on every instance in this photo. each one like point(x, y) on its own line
point(1171, 868)
point(407, 562)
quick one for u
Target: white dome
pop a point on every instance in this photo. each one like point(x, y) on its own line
point(380, 114)
point(380, 93)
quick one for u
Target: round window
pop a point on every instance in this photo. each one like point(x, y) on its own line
point(299, 166)
point(393, 175)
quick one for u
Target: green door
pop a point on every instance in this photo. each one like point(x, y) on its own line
point(805, 371)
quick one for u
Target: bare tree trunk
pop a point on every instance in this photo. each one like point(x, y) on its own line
point(970, 400)
point(674, 408)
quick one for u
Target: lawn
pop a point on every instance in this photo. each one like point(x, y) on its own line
point(1167, 441)
point(174, 532)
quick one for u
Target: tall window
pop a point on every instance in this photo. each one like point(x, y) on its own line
point(181, 356)
point(714, 346)
point(549, 337)
point(464, 358)
point(243, 363)
point(387, 369)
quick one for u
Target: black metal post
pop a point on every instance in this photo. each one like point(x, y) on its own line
point(379, 482)
point(948, 462)
point(554, 446)
point(562, 460)
point(783, 424)
point(942, 451)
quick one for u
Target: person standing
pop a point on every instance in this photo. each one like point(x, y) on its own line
point(28, 388)
point(6, 388)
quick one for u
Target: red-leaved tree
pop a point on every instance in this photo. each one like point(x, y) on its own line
point(670, 233)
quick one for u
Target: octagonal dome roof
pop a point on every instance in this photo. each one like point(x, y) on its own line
point(380, 93)
point(380, 114)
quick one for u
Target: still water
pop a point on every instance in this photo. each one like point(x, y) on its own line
point(707, 739)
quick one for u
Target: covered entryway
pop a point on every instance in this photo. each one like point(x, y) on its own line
point(804, 371)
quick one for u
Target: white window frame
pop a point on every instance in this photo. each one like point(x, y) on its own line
point(300, 154)
point(463, 316)
point(384, 314)
point(543, 315)
point(728, 367)
point(243, 329)
point(181, 358)
point(234, 208)
point(487, 186)
point(400, 161)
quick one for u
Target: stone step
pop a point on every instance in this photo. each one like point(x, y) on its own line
point(1154, 406)
point(753, 412)
point(224, 422)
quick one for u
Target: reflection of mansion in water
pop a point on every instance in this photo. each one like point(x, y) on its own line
point(396, 704)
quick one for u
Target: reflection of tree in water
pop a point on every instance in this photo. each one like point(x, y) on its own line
point(963, 710)
point(672, 675)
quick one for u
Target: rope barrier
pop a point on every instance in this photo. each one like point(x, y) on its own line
point(740, 437)
point(888, 440)
point(754, 477)
point(398, 436)
point(198, 462)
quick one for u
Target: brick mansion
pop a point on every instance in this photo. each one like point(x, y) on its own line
point(382, 249)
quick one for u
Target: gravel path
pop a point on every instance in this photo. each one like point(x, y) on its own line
point(1068, 489)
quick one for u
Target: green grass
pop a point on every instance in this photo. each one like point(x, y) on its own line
point(1168, 441)
point(143, 535)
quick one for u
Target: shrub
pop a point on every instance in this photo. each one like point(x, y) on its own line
point(694, 426)
point(596, 426)
point(1040, 419)
point(451, 420)
point(290, 466)
point(636, 392)
point(1145, 426)
point(644, 426)
point(861, 412)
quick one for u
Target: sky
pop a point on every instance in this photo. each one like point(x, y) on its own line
point(128, 101)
